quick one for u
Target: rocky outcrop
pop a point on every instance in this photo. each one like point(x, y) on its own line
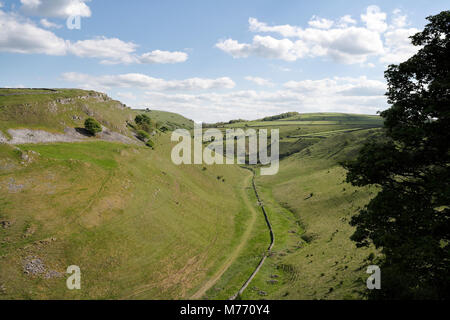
point(3, 139)
point(25, 136)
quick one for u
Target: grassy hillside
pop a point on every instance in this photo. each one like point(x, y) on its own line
point(309, 206)
point(169, 119)
point(140, 227)
point(137, 225)
point(54, 110)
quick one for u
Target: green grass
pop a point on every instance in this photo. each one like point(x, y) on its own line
point(40, 109)
point(169, 119)
point(137, 225)
point(140, 227)
point(308, 269)
point(313, 257)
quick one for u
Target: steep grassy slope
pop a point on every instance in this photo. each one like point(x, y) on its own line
point(137, 225)
point(141, 227)
point(310, 205)
point(169, 119)
point(55, 109)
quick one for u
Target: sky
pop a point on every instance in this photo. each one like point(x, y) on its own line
point(213, 60)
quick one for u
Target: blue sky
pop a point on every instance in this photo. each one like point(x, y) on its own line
point(213, 60)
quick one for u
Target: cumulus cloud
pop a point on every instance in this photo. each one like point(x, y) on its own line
point(399, 20)
point(285, 30)
point(142, 81)
point(49, 25)
point(20, 35)
point(346, 20)
point(113, 50)
point(375, 19)
point(341, 40)
point(351, 95)
point(57, 9)
point(260, 81)
point(126, 95)
point(399, 47)
point(320, 23)
point(346, 86)
point(266, 47)
point(159, 56)
point(349, 45)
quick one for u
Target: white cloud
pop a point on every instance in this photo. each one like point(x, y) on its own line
point(399, 20)
point(346, 86)
point(343, 41)
point(266, 47)
point(347, 45)
point(23, 36)
point(320, 23)
point(126, 95)
point(375, 19)
point(346, 20)
point(112, 49)
point(20, 35)
point(56, 8)
point(49, 25)
point(142, 81)
point(352, 95)
point(399, 47)
point(158, 56)
point(284, 30)
point(260, 81)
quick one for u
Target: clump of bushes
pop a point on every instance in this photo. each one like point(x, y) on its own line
point(142, 119)
point(150, 144)
point(142, 135)
point(92, 126)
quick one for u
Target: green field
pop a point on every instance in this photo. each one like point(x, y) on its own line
point(141, 227)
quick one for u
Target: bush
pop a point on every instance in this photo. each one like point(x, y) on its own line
point(142, 135)
point(142, 119)
point(150, 144)
point(92, 126)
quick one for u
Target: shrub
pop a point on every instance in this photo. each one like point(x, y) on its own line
point(142, 119)
point(142, 135)
point(150, 143)
point(92, 126)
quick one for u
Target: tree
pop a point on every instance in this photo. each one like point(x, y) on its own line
point(409, 219)
point(92, 126)
point(142, 119)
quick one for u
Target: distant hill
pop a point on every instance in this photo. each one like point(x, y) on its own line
point(169, 119)
point(57, 110)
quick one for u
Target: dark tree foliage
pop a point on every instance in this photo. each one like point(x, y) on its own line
point(142, 119)
point(92, 126)
point(409, 219)
point(144, 122)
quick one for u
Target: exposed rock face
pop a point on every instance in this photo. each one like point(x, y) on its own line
point(33, 266)
point(3, 138)
point(6, 224)
point(22, 136)
point(25, 136)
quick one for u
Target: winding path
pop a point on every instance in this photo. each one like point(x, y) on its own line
point(235, 254)
point(272, 242)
